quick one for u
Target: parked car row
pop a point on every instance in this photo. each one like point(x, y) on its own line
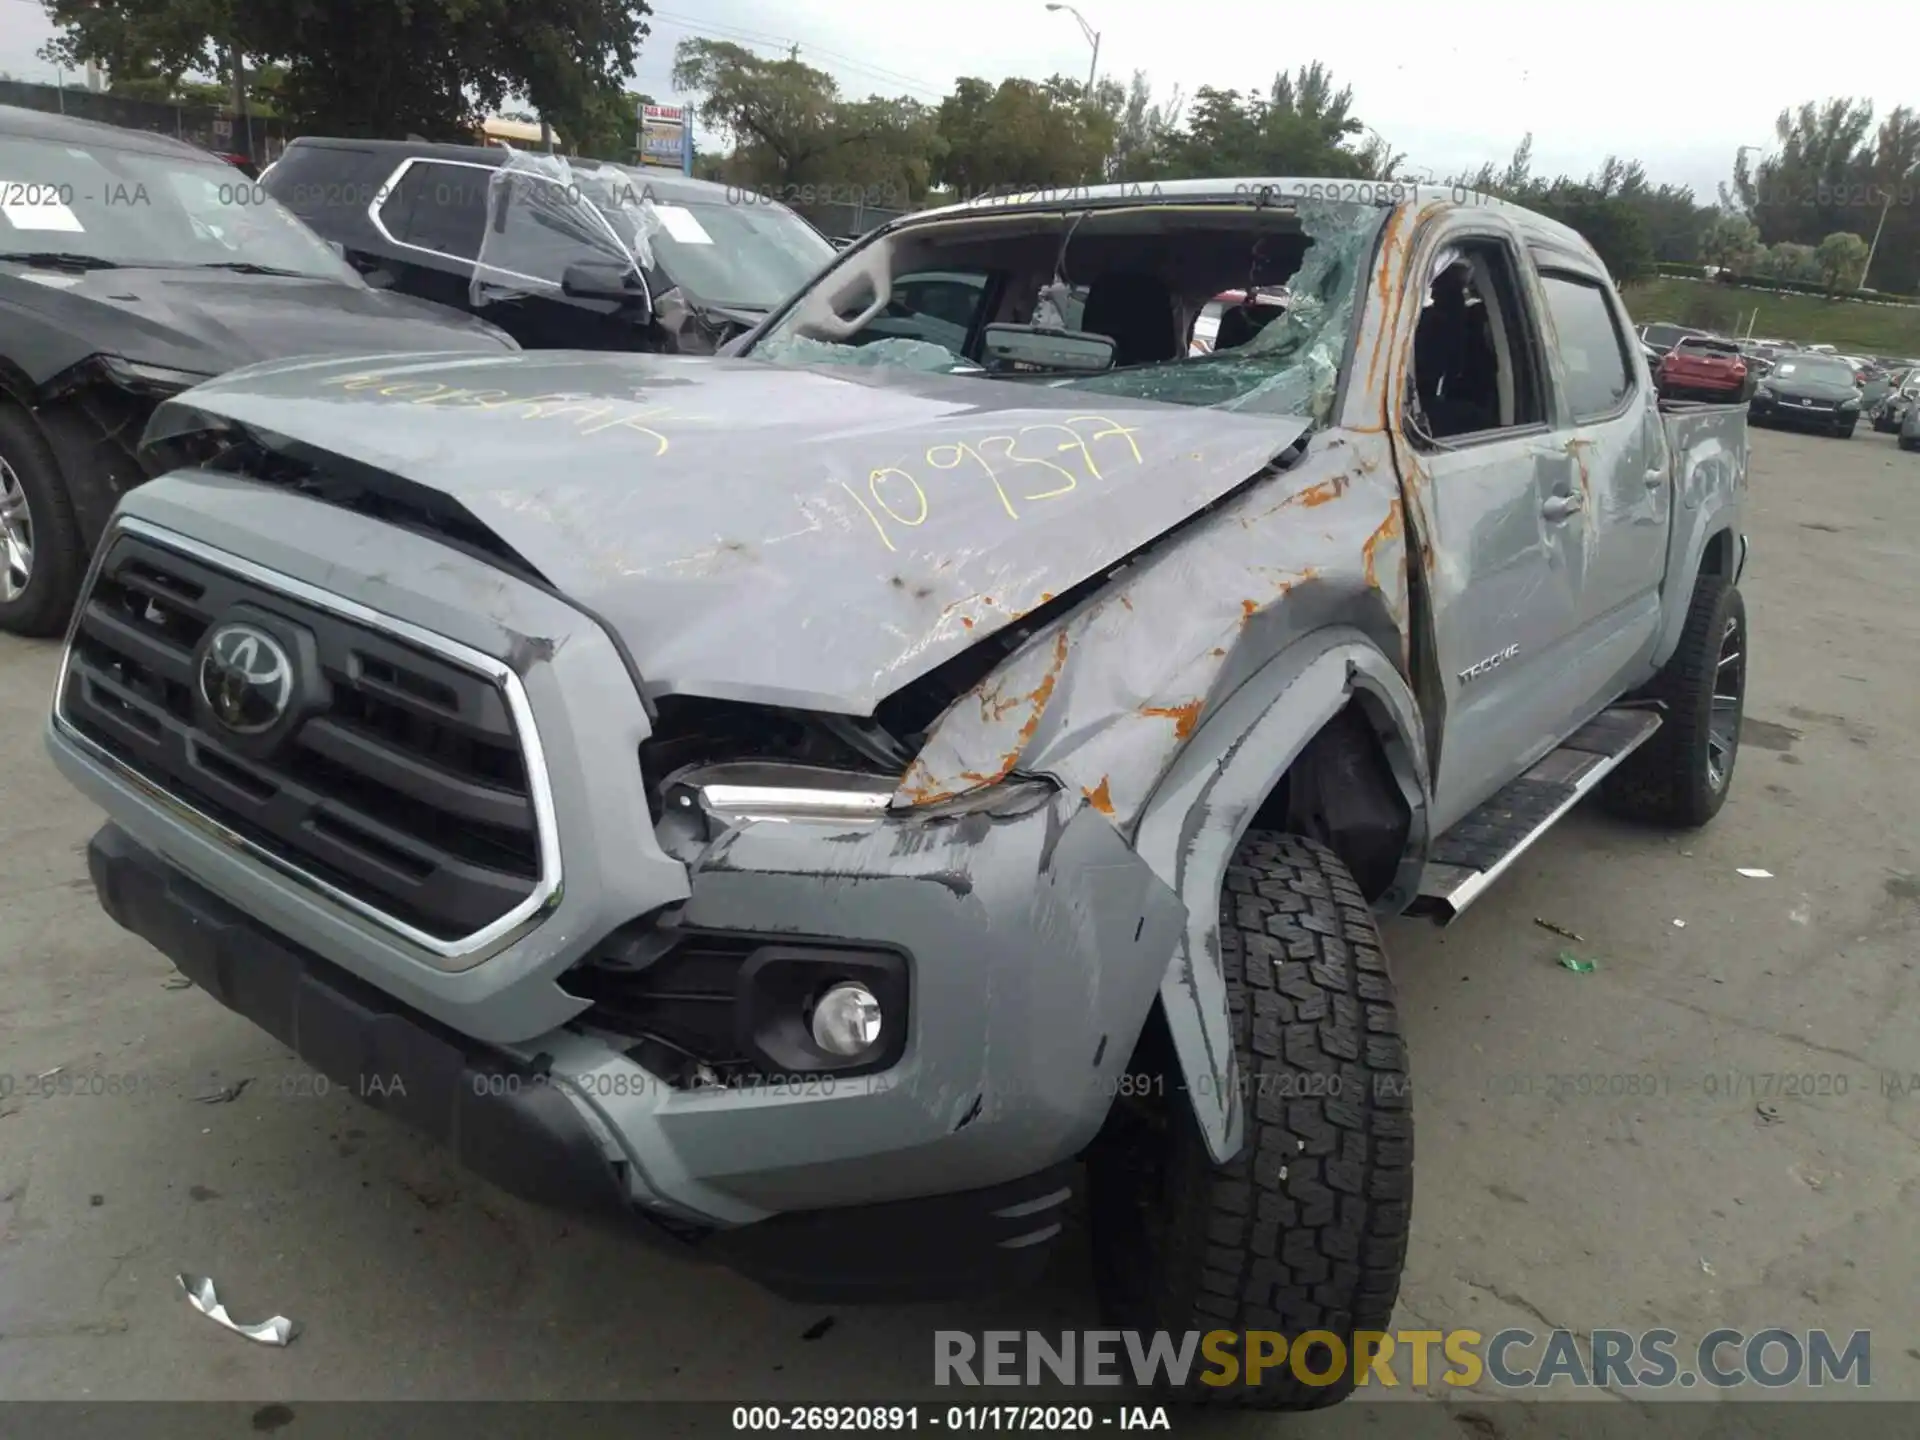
point(1809, 391)
point(134, 266)
point(1802, 386)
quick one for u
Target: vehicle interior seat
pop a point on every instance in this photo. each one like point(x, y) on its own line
point(1456, 363)
point(1135, 311)
point(1238, 324)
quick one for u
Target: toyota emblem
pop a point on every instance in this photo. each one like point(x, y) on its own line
point(246, 678)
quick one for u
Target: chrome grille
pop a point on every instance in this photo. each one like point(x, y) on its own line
point(407, 789)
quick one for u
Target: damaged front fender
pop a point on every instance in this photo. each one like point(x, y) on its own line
point(1195, 820)
point(1105, 699)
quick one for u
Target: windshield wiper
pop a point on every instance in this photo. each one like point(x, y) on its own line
point(249, 267)
point(61, 259)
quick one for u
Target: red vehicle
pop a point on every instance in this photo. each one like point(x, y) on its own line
point(1700, 367)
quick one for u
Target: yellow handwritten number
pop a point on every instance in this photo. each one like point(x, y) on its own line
point(1124, 432)
point(873, 488)
point(961, 451)
point(867, 510)
point(1009, 441)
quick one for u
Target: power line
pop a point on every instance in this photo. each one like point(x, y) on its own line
point(714, 31)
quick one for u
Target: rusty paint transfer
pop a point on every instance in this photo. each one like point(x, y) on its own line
point(1091, 698)
point(1186, 718)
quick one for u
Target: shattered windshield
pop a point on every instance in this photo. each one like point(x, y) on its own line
point(1282, 360)
point(1291, 365)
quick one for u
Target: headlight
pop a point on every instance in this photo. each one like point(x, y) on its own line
point(758, 791)
point(1853, 404)
point(1765, 390)
point(144, 379)
point(750, 790)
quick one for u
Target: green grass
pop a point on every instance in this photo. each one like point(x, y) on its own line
point(1808, 319)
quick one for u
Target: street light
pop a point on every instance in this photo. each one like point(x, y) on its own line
point(1093, 39)
point(1885, 205)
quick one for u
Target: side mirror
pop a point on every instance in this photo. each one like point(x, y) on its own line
point(336, 247)
point(1030, 347)
point(603, 280)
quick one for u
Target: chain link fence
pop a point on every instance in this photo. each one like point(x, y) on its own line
point(259, 138)
point(843, 218)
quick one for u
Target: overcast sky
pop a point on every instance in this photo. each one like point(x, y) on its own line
point(1449, 85)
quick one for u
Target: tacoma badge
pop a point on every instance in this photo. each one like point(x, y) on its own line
point(1492, 662)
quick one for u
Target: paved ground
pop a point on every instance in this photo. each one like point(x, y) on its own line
point(1678, 1207)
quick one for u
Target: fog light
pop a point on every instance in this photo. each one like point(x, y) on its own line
point(846, 1021)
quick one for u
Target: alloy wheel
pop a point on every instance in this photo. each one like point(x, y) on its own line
point(16, 535)
point(1729, 697)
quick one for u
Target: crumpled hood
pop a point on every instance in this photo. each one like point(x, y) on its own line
point(210, 321)
point(815, 537)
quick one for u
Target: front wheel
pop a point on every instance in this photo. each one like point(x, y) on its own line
point(1680, 777)
point(41, 557)
point(1305, 1230)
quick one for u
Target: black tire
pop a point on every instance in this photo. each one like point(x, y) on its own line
point(1681, 776)
point(1306, 1229)
point(59, 558)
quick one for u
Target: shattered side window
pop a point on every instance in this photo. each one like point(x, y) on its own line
point(544, 214)
point(1292, 366)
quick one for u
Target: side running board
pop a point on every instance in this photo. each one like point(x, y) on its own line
point(1481, 845)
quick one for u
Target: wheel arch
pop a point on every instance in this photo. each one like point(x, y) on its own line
point(1243, 767)
point(1714, 549)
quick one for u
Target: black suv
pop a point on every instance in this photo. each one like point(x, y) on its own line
point(545, 259)
point(133, 266)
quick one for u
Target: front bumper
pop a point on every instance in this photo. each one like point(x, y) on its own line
point(1036, 942)
point(514, 1122)
point(1787, 412)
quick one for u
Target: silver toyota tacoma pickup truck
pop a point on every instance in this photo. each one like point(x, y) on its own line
point(829, 806)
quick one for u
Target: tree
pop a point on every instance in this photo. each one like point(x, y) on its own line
point(1841, 257)
point(1731, 242)
point(155, 43)
point(1836, 171)
point(1142, 128)
point(791, 128)
point(1300, 126)
point(430, 67)
point(1023, 133)
point(1789, 260)
point(1602, 207)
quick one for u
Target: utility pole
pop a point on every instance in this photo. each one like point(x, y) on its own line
point(1885, 205)
point(237, 62)
point(1093, 39)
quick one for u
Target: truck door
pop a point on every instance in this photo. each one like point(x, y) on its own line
point(1607, 422)
point(1503, 508)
